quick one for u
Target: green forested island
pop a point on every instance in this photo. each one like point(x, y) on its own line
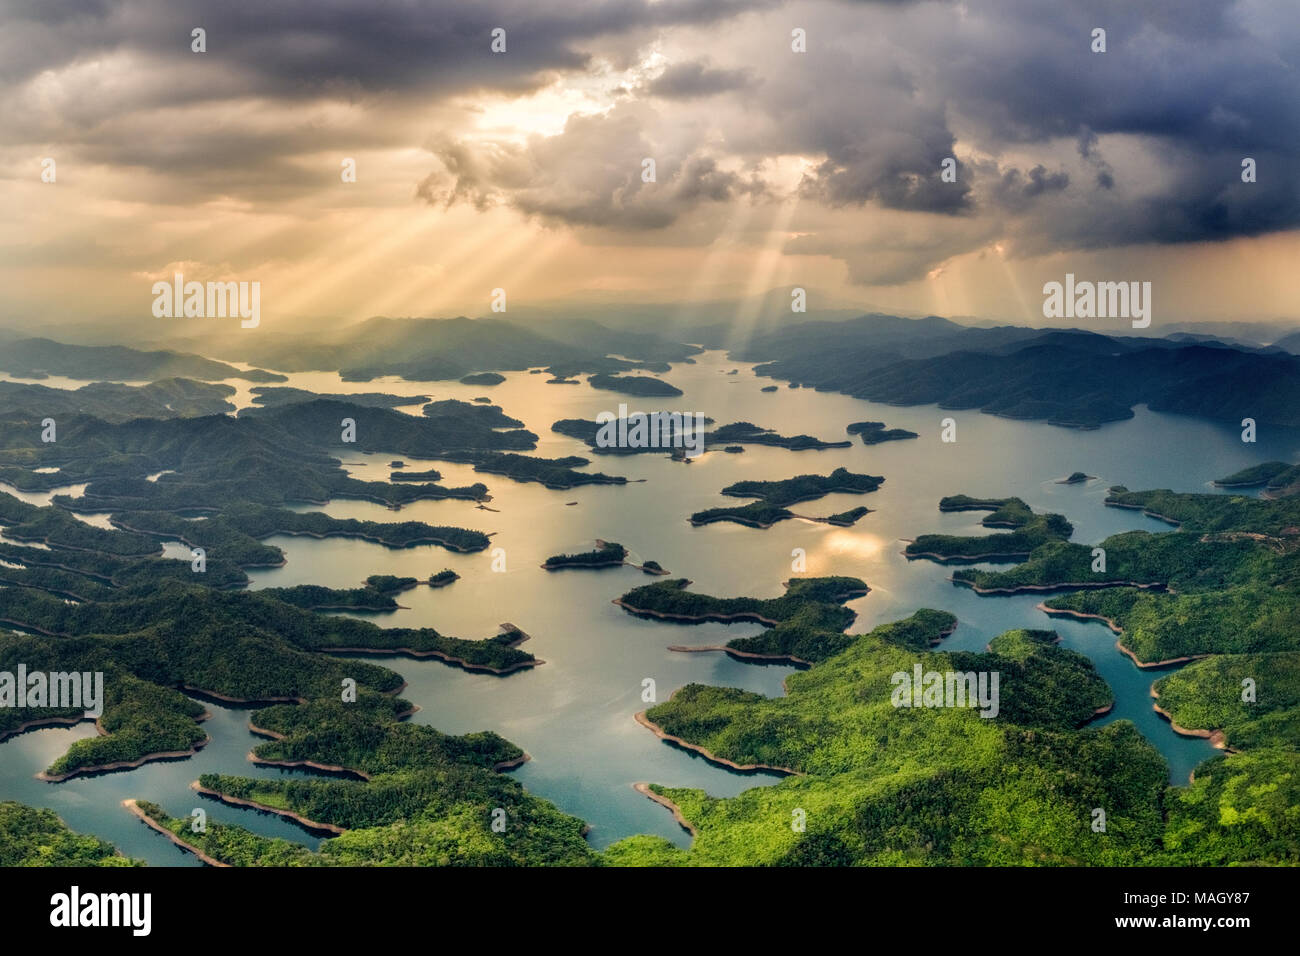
point(773, 497)
point(424, 798)
point(1029, 530)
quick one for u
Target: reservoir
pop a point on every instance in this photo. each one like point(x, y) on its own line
point(574, 713)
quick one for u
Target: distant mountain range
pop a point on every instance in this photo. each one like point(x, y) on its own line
point(1067, 377)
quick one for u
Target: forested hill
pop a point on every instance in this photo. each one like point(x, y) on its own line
point(1073, 378)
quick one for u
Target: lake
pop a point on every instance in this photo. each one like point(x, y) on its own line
point(574, 714)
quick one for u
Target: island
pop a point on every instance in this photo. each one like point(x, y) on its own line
point(873, 433)
point(774, 496)
point(640, 385)
point(482, 378)
point(1030, 530)
point(607, 554)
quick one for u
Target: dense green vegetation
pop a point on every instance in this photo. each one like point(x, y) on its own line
point(31, 837)
point(805, 623)
point(896, 785)
point(429, 799)
point(1239, 809)
point(1276, 477)
point(442, 578)
point(150, 640)
point(931, 783)
point(1211, 694)
point(607, 554)
point(1030, 531)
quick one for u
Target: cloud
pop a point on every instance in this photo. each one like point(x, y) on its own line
point(695, 78)
point(592, 174)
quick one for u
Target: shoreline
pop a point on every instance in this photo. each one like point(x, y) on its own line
point(1218, 739)
point(254, 805)
point(298, 764)
point(1145, 665)
point(123, 764)
point(1065, 586)
point(519, 636)
point(134, 808)
point(964, 558)
point(41, 722)
point(645, 791)
point(659, 732)
point(436, 655)
point(1146, 511)
point(743, 655)
point(750, 616)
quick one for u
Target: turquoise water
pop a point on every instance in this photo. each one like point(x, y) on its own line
point(574, 714)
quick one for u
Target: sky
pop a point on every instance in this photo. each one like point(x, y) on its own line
point(795, 144)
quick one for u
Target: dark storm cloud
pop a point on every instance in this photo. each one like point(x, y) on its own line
point(300, 48)
point(1201, 84)
point(1016, 190)
point(1153, 131)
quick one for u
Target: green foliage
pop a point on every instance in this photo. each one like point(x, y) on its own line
point(429, 799)
point(1208, 695)
point(897, 786)
point(31, 837)
point(1240, 809)
point(1031, 531)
